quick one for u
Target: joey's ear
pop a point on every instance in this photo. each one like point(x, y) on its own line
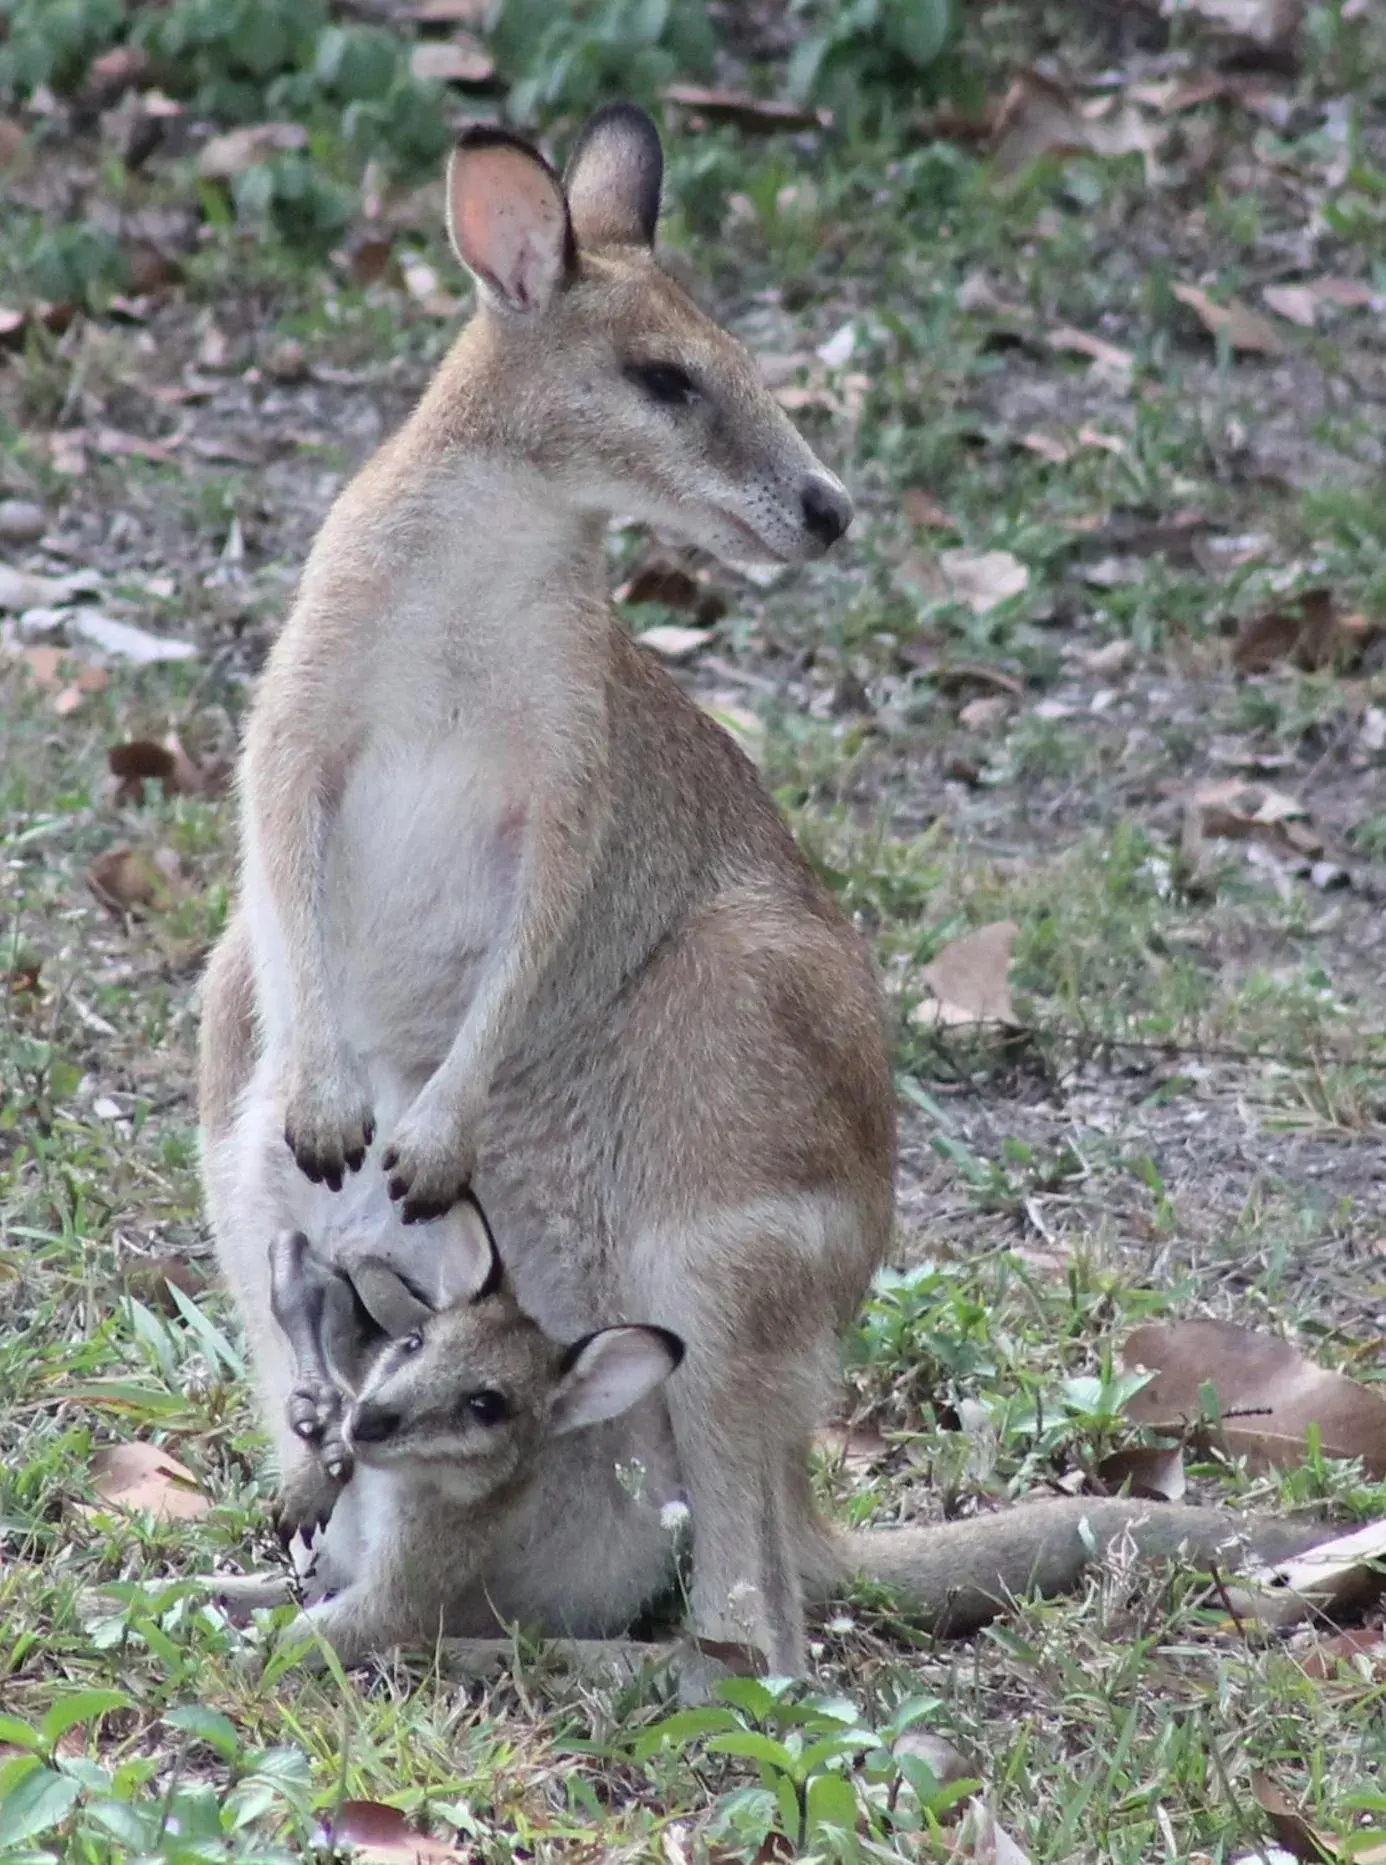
point(466, 1260)
point(508, 220)
point(605, 1373)
point(390, 1301)
point(613, 178)
point(349, 1332)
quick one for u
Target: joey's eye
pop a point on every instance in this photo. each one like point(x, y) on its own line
point(487, 1408)
point(411, 1343)
point(664, 382)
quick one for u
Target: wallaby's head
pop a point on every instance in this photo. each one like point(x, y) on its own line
point(597, 369)
point(468, 1386)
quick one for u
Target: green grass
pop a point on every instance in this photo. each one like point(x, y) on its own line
point(1191, 1119)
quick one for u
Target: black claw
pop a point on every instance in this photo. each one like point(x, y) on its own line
point(369, 1128)
point(397, 1187)
point(390, 1160)
point(310, 1169)
point(356, 1158)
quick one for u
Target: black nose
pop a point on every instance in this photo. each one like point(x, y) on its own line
point(372, 1424)
point(827, 511)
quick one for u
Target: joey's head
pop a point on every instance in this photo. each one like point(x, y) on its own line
point(468, 1387)
point(599, 372)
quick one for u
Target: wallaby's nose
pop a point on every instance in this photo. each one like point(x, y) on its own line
point(372, 1424)
point(827, 510)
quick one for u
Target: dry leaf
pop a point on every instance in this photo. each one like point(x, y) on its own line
point(1291, 1829)
point(141, 760)
point(1344, 1651)
point(1246, 329)
point(122, 641)
point(1055, 451)
point(945, 1762)
point(1272, 25)
point(746, 113)
point(21, 589)
point(1308, 631)
point(1153, 1471)
point(672, 643)
point(226, 157)
point(1116, 657)
point(854, 1448)
point(969, 979)
point(1038, 117)
point(1114, 361)
point(462, 60)
point(1299, 304)
point(1349, 1570)
point(980, 1839)
point(124, 878)
point(141, 1476)
point(921, 511)
point(383, 1836)
point(656, 579)
point(21, 521)
point(1278, 1392)
point(451, 12)
point(988, 710)
point(983, 579)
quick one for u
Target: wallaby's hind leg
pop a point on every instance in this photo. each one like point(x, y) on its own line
point(299, 1288)
point(745, 1291)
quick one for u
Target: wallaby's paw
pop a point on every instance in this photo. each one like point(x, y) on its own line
point(315, 1412)
point(304, 1503)
point(328, 1124)
point(430, 1166)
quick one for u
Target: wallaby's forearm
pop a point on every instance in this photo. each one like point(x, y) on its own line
point(957, 1576)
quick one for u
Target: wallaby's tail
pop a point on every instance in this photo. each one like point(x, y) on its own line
point(955, 1576)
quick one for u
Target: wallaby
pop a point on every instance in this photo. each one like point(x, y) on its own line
point(470, 1506)
point(510, 897)
point(460, 1430)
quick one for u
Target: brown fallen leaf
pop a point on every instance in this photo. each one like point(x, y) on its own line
point(1268, 1395)
point(1047, 446)
point(969, 979)
point(1309, 632)
point(853, 1448)
point(1115, 361)
point(983, 579)
point(462, 60)
point(141, 761)
point(1038, 117)
point(124, 878)
point(1155, 1471)
point(22, 978)
point(656, 579)
point(1345, 1651)
point(383, 1836)
point(764, 114)
point(1270, 25)
point(980, 1839)
point(148, 1278)
point(979, 714)
point(227, 156)
point(1346, 1571)
point(922, 512)
point(1246, 329)
point(141, 1476)
point(1288, 1824)
point(1297, 304)
point(451, 12)
point(672, 643)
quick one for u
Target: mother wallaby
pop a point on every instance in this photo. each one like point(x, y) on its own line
point(513, 902)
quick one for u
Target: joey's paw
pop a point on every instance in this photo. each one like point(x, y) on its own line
point(429, 1168)
point(328, 1124)
point(304, 1503)
point(315, 1411)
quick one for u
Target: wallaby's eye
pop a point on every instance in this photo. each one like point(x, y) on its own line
point(664, 382)
point(488, 1407)
point(411, 1343)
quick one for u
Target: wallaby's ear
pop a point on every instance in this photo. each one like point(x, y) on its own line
point(508, 220)
point(614, 177)
point(390, 1301)
point(467, 1262)
point(605, 1373)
